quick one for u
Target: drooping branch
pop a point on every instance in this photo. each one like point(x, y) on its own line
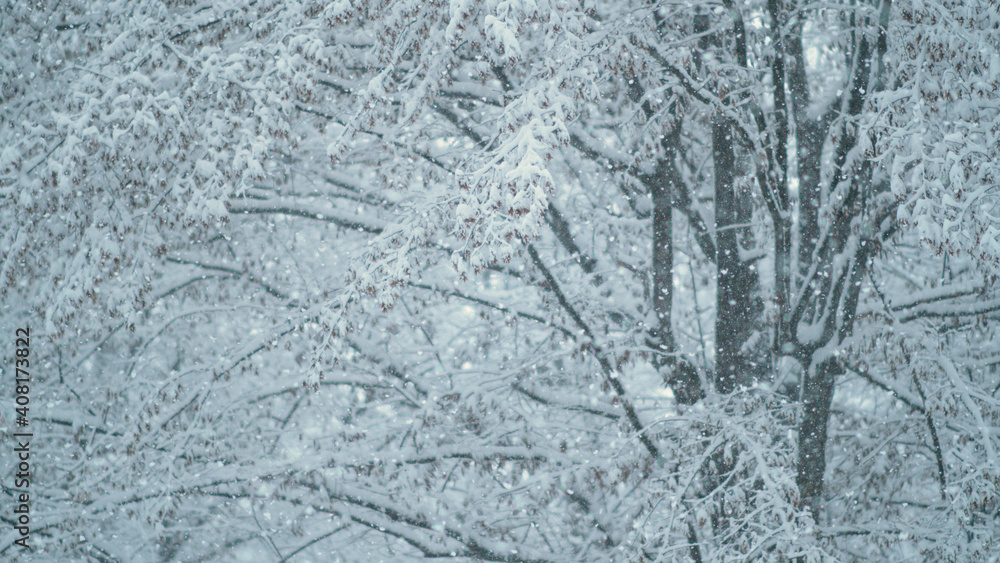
point(292, 207)
point(560, 228)
point(556, 221)
point(496, 307)
point(921, 408)
point(947, 310)
point(222, 268)
point(539, 398)
point(474, 546)
point(610, 376)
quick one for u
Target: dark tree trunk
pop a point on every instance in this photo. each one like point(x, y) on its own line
point(663, 259)
point(836, 292)
point(679, 374)
point(738, 302)
point(810, 133)
point(817, 393)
